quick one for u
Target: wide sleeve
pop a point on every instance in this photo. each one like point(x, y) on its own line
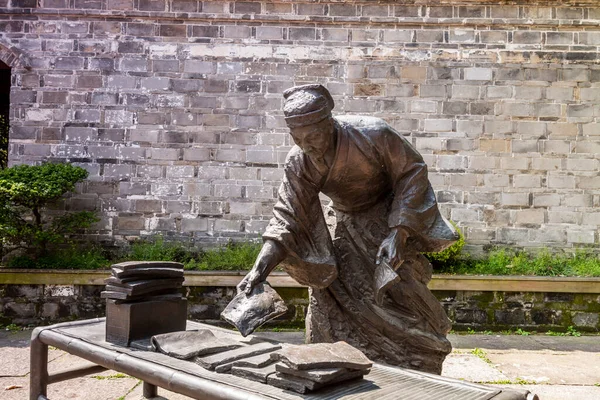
point(299, 225)
point(414, 205)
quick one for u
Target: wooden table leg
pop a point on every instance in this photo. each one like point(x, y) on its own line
point(38, 367)
point(149, 391)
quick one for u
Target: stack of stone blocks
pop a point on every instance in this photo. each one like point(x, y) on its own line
point(174, 106)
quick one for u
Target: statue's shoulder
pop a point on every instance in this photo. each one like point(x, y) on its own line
point(371, 127)
point(362, 122)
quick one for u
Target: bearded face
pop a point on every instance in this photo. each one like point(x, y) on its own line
point(314, 139)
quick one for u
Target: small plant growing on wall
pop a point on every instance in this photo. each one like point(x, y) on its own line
point(4, 129)
point(25, 192)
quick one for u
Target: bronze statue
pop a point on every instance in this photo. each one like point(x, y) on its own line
point(361, 255)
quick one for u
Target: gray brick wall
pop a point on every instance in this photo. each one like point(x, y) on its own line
point(175, 106)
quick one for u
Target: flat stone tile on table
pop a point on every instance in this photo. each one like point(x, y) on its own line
point(262, 360)
point(254, 374)
point(300, 385)
point(316, 375)
point(470, 368)
point(322, 355)
point(188, 344)
point(227, 357)
point(576, 368)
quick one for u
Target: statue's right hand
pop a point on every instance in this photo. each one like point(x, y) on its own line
point(252, 279)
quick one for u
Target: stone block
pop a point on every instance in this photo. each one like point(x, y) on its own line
point(465, 92)
point(515, 199)
point(430, 36)
point(461, 36)
point(532, 216)
point(586, 320)
point(527, 37)
point(196, 154)
point(470, 316)
point(400, 35)
point(564, 217)
point(199, 67)
point(512, 317)
point(236, 31)
point(148, 206)
point(581, 236)
point(478, 74)
point(438, 125)
point(527, 181)
point(548, 235)
point(546, 164)
point(247, 7)
point(269, 32)
point(413, 74)
point(334, 34)
point(421, 106)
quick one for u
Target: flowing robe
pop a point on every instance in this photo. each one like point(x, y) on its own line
point(377, 181)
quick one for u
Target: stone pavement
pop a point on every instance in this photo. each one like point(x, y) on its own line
point(556, 368)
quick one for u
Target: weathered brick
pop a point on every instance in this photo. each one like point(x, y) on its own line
point(514, 199)
point(527, 37)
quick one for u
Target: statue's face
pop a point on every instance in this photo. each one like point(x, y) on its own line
point(314, 139)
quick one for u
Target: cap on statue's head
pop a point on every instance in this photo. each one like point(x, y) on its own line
point(306, 105)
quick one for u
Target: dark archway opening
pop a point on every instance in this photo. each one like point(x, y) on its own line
point(5, 78)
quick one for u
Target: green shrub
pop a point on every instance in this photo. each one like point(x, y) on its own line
point(157, 249)
point(25, 191)
point(451, 258)
point(504, 261)
point(71, 257)
point(233, 256)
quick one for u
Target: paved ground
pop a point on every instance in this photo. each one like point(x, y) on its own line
point(556, 368)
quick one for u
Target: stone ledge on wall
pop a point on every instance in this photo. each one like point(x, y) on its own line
point(473, 306)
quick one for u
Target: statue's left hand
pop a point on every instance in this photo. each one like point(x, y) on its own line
point(392, 248)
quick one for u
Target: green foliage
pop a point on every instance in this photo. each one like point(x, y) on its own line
point(4, 132)
point(70, 257)
point(543, 263)
point(521, 332)
point(25, 191)
point(451, 258)
point(157, 249)
point(231, 257)
point(481, 354)
point(13, 328)
point(571, 331)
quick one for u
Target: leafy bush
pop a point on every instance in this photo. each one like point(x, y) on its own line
point(25, 191)
point(451, 258)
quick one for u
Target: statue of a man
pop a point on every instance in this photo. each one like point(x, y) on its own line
point(383, 211)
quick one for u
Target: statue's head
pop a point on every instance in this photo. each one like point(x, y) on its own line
point(307, 111)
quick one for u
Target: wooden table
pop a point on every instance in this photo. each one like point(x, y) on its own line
point(85, 339)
